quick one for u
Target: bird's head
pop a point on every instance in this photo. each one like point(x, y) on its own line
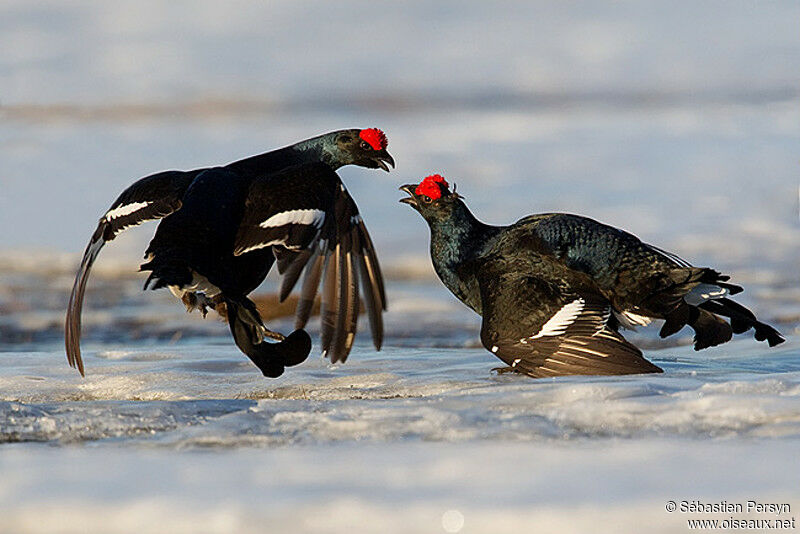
point(365, 148)
point(432, 198)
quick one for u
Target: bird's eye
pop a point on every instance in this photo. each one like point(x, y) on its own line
point(426, 199)
point(365, 146)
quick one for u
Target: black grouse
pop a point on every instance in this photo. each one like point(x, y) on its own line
point(224, 227)
point(554, 289)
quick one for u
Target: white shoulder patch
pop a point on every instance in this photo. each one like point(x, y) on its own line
point(703, 292)
point(559, 322)
point(310, 216)
point(125, 209)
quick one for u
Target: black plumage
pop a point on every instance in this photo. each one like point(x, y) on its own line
point(224, 227)
point(554, 289)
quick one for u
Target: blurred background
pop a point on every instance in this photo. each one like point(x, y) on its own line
point(675, 120)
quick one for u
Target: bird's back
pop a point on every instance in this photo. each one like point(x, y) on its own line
point(618, 262)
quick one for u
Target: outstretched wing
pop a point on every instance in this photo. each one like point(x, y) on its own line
point(312, 224)
point(151, 197)
point(543, 329)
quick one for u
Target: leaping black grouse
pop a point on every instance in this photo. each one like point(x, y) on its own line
point(554, 289)
point(224, 227)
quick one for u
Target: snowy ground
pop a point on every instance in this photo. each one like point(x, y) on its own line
point(674, 120)
point(408, 440)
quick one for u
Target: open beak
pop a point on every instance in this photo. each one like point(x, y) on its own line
point(382, 158)
point(411, 200)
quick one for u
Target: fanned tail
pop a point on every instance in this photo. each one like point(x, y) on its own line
point(699, 298)
point(743, 320)
point(709, 329)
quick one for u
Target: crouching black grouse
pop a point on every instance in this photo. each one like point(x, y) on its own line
point(554, 289)
point(224, 227)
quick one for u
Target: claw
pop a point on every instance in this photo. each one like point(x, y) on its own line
point(198, 301)
point(504, 370)
point(266, 332)
point(190, 301)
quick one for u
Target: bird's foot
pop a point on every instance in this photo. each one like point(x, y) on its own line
point(190, 301)
point(206, 303)
point(504, 370)
point(258, 333)
point(264, 332)
point(198, 301)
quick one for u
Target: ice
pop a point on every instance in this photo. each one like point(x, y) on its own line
point(505, 487)
point(194, 440)
point(399, 394)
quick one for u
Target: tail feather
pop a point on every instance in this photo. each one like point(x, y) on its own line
point(740, 322)
point(705, 275)
point(675, 321)
point(698, 297)
point(733, 289)
point(743, 320)
point(765, 332)
point(710, 330)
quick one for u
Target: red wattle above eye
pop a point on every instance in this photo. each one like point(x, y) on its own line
point(429, 188)
point(375, 138)
point(438, 178)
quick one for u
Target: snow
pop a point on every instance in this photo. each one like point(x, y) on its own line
point(208, 395)
point(194, 440)
point(676, 121)
point(605, 486)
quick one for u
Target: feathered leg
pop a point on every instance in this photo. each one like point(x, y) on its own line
point(271, 358)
